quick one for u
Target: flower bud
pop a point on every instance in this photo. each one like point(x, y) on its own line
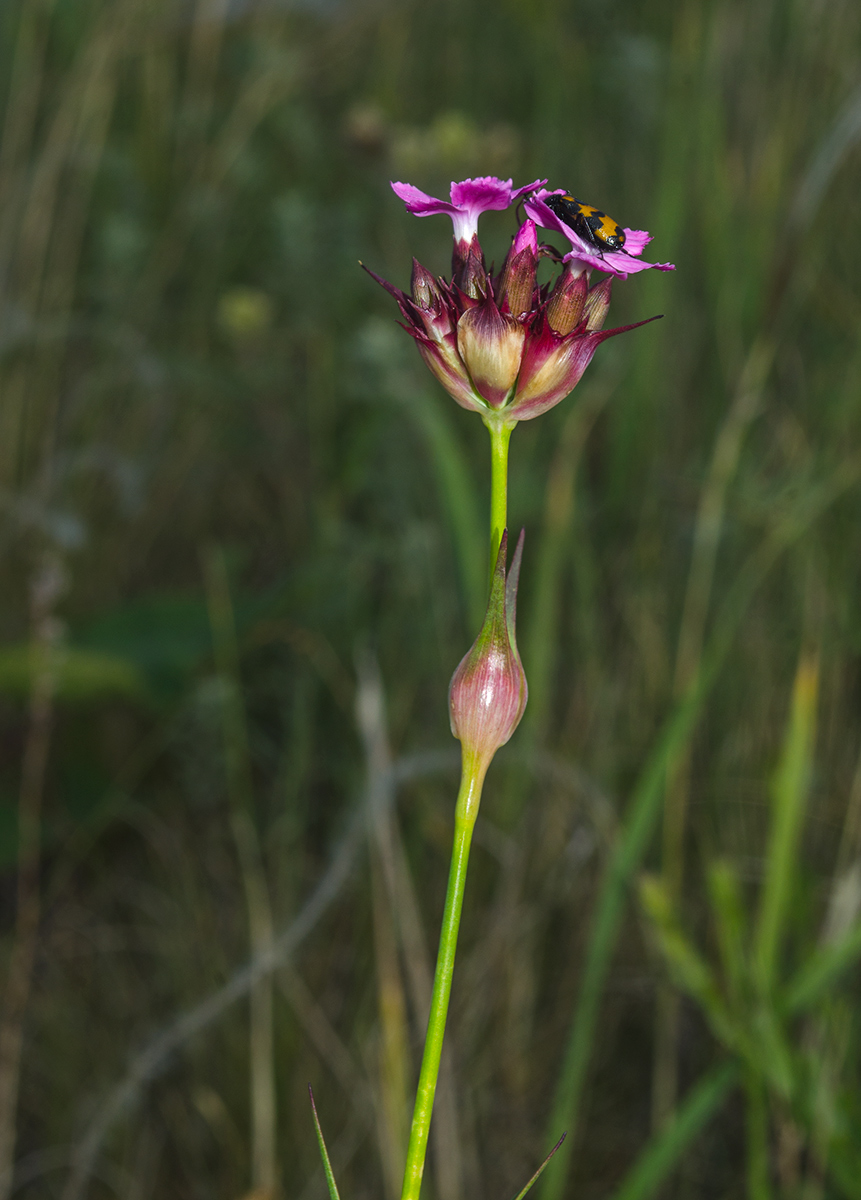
point(517, 284)
point(425, 289)
point(565, 306)
point(488, 690)
point(491, 346)
point(597, 303)
point(467, 269)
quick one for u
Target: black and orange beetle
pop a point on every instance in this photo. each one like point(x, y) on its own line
point(590, 224)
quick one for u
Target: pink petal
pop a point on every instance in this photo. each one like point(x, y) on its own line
point(481, 195)
point(469, 199)
point(636, 240)
point(419, 203)
point(615, 263)
point(525, 239)
point(530, 187)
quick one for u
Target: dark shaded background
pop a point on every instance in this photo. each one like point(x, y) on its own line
point(229, 490)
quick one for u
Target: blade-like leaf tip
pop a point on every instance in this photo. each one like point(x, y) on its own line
point(324, 1153)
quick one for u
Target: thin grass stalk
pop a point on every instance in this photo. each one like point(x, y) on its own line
point(39, 259)
point(790, 790)
point(393, 1049)
point(669, 206)
point(206, 39)
point(144, 1066)
point(390, 859)
point(542, 641)
point(264, 1167)
point(624, 860)
point(457, 488)
point(19, 979)
point(19, 119)
point(323, 1036)
point(393, 1044)
point(707, 537)
point(664, 1152)
point(43, 259)
point(758, 1158)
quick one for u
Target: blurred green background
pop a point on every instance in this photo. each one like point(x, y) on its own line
point(242, 537)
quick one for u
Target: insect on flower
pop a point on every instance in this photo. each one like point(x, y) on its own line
point(501, 344)
point(596, 228)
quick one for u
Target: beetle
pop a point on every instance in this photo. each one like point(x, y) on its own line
point(592, 225)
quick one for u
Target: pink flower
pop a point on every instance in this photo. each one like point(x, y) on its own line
point(469, 199)
point(499, 344)
point(617, 262)
point(488, 691)
point(505, 347)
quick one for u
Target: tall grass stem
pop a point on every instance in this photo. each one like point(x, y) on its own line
point(264, 1169)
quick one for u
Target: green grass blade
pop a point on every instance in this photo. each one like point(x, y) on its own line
point(324, 1153)
point(537, 1174)
point(730, 925)
point(459, 496)
point(789, 795)
point(688, 968)
point(664, 1151)
point(541, 641)
point(758, 1166)
point(821, 969)
point(624, 861)
point(642, 816)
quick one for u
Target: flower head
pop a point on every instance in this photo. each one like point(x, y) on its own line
point(501, 345)
point(488, 691)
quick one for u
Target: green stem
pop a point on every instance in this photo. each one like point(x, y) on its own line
point(472, 778)
point(758, 1167)
point(499, 438)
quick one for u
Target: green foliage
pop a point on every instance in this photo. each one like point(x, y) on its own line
point(81, 675)
point(797, 1080)
point(324, 1153)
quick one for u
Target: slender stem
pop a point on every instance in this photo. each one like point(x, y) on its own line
point(499, 438)
point(472, 778)
point(758, 1166)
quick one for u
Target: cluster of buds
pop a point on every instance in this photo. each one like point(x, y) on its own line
point(499, 344)
point(508, 349)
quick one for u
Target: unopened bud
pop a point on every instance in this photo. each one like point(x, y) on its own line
point(597, 303)
point(488, 690)
point(424, 288)
point(517, 285)
point(491, 345)
point(567, 300)
point(467, 268)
